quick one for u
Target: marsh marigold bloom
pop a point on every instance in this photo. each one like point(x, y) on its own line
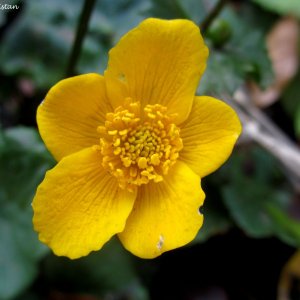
point(132, 146)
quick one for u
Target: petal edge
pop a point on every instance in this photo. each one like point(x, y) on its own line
point(165, 215)
point(209, 135)
point(71, 112)
point(79, 207)
point(158, 62)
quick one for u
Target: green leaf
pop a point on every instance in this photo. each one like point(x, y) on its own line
point(247, 208)
point(105, 32)
point(123, 16)
point(241, 58)
point(106, 272)
point(179, 9)
point(286, 228)
point(283, 7)
point(38, 44)
point(27, 139)
point(223, 75)
point(16, 271)
point(23, 54)
point(255, 197)
point(23, 160)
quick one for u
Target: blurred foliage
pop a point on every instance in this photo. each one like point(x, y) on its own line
point(287, 7)
point(180, 9)
point(290, 103)
point(237, 52)
point(109, 272)
point(259, 212)
point(24, 161)
point(37, 45)
point(249, 193)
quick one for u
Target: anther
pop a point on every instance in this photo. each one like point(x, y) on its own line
point(137, 149)
point(142, 162)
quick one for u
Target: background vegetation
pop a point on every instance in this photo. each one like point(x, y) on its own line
point(252, 208)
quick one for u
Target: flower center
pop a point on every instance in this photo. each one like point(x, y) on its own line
point(139, 146)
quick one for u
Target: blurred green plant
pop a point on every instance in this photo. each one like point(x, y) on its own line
point(24, 161)
point(232, 56)
point(287, 7)
point(252, 195)
point(110, 272)
point(256, 198)
point(37, 45)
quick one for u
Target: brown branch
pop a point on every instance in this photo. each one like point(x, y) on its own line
point(260, 129)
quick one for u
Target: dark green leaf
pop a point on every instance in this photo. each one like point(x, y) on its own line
point(255, 200)
point(246, 208)
point(180, 9)
point(241, 58)
point(16, 270)
point(223, 75)
point(107, 272)
point(23, 161)
point(38, 44)
point(286, 228)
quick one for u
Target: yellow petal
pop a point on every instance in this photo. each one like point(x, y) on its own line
point(79, 207)
point(160, 61)
point(71, 112)
point(208, 135)
point(165, 215)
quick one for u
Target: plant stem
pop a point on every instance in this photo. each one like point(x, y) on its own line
point(80, 33)
point(204, 25)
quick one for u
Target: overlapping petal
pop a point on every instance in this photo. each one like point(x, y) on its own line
point(209, 135)
point(78, 207)
point(165, 215)
point(158, 62)
point(71, 112)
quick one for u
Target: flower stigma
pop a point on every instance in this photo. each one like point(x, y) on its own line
point(137, 145)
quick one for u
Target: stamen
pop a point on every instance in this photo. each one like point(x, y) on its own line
point(138, 147)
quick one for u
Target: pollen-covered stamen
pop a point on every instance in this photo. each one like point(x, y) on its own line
point(139, 146)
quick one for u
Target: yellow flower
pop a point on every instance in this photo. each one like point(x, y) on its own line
point(132, 146)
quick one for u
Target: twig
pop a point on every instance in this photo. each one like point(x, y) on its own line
point(241, 96)
point(260, 129)
point(80, 33)
point(204, 25)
